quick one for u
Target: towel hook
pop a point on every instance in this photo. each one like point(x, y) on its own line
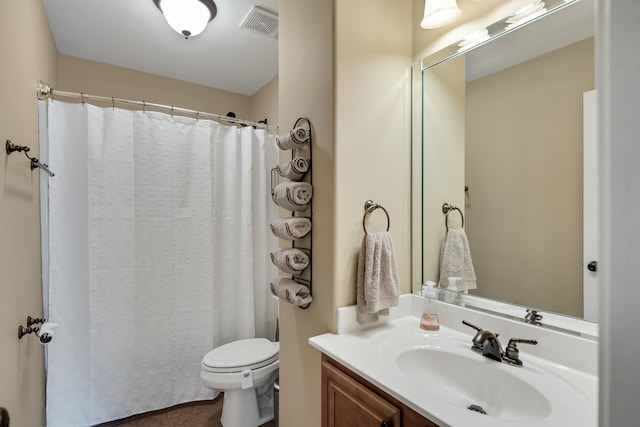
point(370, 206)
point(447, 209)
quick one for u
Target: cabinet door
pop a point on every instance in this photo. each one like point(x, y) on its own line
point(347, 403)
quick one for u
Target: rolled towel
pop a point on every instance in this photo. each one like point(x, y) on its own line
point(293, 196)
point(291, 260)
point(295, 138)
point(292, 228)
point(294, 170)
point(291, 291)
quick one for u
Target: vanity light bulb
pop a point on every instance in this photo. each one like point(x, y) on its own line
point(438, 13)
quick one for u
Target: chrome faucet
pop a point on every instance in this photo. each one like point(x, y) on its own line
point(487, 344)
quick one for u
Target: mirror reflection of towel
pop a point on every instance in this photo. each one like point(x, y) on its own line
point(455, 260)
point(377, 286)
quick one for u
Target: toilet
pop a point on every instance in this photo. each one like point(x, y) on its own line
point(240, 369)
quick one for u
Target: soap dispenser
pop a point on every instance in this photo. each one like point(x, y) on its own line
point(452, 290)
point(429, 320)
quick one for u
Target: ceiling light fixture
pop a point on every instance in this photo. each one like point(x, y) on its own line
point(438, 13)
point(187, 17)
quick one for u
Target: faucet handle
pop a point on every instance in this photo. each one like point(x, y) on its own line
point(481, 337)
point(512, 354)
point(477, 328)
point(533, 317)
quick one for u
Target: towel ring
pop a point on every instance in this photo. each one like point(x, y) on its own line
point(370, 206)
point(447, 209)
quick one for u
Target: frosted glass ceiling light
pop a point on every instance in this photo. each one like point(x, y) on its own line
point(187, 17)
point(438, 13)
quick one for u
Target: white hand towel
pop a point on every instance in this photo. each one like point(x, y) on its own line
point(377, 286)
point(293, 196)
point(295, 138)
point(294, 170)
point(291, 291)
point(455, 260)
point(290, 260)
point(292, 228)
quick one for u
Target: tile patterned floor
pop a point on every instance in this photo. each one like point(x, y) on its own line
point(196, 414)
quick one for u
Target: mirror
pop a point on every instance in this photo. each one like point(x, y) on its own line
point(502, 116)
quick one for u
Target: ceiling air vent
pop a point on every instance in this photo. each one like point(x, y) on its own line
point(262, 22)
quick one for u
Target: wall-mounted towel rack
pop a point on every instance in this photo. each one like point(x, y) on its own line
point(447, 209)
point(300, 138)
point(370, 206)
point(35, 163)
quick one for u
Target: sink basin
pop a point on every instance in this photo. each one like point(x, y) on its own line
point(474, 382)
point(436, 374)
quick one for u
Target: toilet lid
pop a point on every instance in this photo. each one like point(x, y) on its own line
point(236, 356)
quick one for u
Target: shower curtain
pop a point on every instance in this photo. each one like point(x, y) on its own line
point(156, 237)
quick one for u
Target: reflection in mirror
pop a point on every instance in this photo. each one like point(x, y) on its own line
point(503, 115)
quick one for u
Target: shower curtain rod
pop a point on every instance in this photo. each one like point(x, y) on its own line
point(45, 91)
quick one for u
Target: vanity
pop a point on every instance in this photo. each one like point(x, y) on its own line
point(396, 374)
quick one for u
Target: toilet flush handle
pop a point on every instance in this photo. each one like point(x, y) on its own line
point(247, 379)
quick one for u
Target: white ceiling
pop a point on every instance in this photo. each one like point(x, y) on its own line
point(133, 34)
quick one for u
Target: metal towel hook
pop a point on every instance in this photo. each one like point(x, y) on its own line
point(370, 206)
point(447, 209)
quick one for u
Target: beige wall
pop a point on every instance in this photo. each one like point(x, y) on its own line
point(28, 54)
point(524, 168)
point(306, 89)
point(95, 78)
point(352, 80)
point(264, 103)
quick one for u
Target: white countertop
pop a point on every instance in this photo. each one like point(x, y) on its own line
point(563, 368)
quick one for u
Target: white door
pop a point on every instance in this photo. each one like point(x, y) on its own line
point(590, 187)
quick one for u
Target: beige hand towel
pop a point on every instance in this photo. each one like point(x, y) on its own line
point(292, 196)
point(455, 260)
point(377, 286)
point(291, 260)
point(295, 138)
point(292, 228)
point(291, 291)
point(294, 170)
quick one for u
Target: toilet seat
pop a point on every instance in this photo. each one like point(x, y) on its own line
point(238, 356)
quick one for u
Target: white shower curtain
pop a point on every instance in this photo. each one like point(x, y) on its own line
point(158, 251)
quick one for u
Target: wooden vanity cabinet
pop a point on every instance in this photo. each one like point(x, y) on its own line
point(350, 401)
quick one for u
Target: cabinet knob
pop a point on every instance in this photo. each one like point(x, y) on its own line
point(592, 266)
point(385, 424)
